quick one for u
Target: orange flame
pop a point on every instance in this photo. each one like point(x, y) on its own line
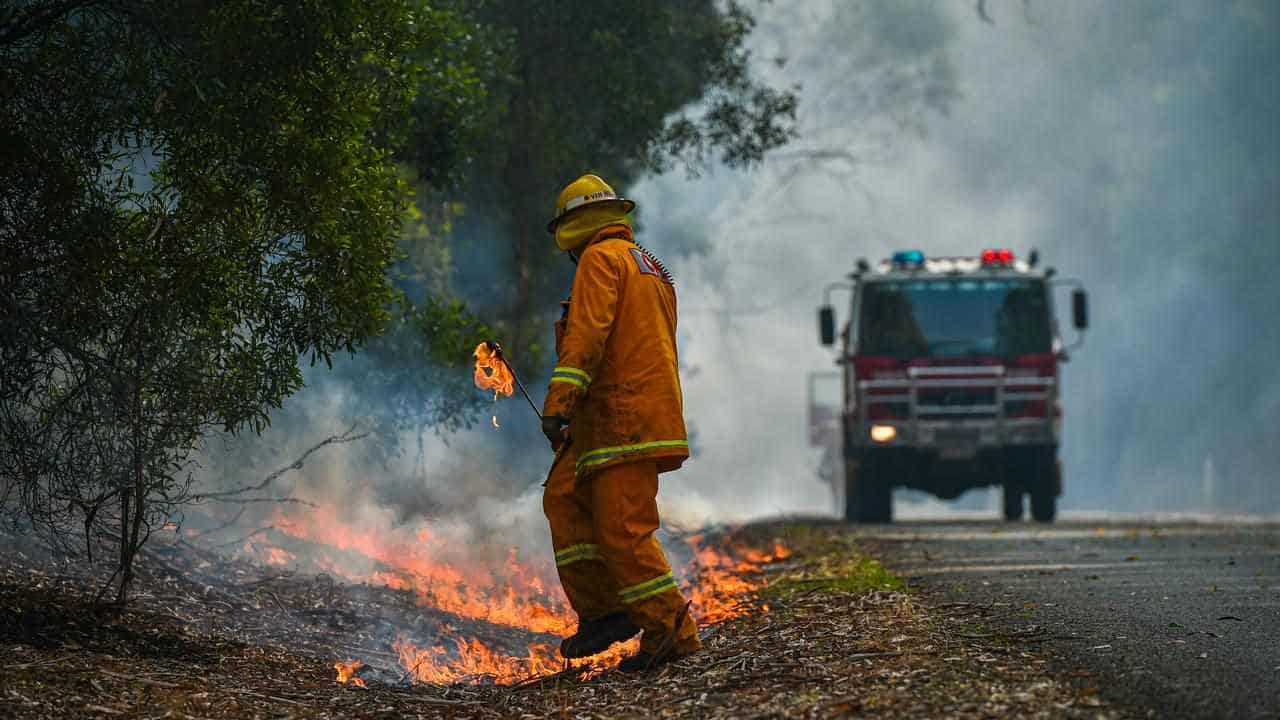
point(491, 372)
point(276, 556)
point(508, 594)
point(718, 581)
point(347, 672)
point(269, 555)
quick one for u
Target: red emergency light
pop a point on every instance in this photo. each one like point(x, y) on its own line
point(997, 257)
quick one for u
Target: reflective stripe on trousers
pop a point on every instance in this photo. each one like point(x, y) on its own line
point(647, 589)
point(574, 553)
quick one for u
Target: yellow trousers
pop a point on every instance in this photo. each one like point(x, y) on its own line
point(602, 530)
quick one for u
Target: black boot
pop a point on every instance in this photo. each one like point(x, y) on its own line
point(597, 635)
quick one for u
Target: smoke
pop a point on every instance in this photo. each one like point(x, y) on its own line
point(1135, 144)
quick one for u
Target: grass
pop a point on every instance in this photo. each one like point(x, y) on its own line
point(830, 563)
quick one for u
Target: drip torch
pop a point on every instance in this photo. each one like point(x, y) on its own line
point(496, 349)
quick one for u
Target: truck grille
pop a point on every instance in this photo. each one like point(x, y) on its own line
point(957, 396)
point(955, 393)
point(955, 402)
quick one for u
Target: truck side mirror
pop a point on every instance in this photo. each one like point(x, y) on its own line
point(1080, 309)
point(827, 325)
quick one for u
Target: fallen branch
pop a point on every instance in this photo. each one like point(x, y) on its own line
point(890, 653)
point(543, 679)
point(265, 697)
point(144, 681)
point(38, 663)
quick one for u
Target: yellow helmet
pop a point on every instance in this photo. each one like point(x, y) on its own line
point(588, 190)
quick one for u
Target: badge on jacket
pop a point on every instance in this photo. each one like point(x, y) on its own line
point(649, 266)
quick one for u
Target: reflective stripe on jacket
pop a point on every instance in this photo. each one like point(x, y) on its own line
point(616, 377)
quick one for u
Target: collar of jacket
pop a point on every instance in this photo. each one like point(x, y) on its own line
point(610, 232)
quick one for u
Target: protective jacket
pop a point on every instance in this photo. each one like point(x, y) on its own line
point(616, 377)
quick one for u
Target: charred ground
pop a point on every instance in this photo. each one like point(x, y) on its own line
point(831, 633)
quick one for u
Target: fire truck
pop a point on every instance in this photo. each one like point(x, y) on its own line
point(949, 380)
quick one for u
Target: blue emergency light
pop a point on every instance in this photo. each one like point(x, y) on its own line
point(908, 257)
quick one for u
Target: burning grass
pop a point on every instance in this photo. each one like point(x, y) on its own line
point(501, 590)
point(266, 642)
point(497, 614)
point(347, 672)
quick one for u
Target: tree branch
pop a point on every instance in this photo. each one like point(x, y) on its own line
point(245, 501)
point(19, 26)
point(345, 437)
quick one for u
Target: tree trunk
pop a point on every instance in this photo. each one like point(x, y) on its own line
point(133, 499)
point(131, 535)
point(522, 191)
point(126, 555)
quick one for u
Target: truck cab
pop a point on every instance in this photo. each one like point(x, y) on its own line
point(949, 380)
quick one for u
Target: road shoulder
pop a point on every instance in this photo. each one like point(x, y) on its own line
point(1175, 618)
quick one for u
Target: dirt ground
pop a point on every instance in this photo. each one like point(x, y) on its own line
point(831, 634)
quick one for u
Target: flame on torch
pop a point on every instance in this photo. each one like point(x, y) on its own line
point(492, 372)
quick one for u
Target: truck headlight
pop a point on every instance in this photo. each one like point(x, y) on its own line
point(883, 433)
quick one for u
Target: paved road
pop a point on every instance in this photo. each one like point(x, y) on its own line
point(1180, 618)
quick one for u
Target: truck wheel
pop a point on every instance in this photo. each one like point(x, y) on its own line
point(1012, 502)
point(1044, 485)
point(1044, 501)
point(851, 470)
point(868, 497)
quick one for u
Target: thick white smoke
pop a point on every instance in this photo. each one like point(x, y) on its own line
point(1129, 142)
point(1134, 144)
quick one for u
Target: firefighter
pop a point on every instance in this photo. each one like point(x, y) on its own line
point(614, 415)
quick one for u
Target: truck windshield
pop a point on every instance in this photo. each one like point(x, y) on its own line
point(954, 318)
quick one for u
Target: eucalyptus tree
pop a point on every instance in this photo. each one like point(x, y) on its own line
point(196, 197)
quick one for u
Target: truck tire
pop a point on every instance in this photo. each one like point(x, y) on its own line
point(1044, 485)
point(850, 498)
point(1031, 470)
point(1044, 501)
point(868, 496)
point(1013, 504)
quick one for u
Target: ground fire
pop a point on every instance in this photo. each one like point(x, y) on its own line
point(347, 672)
point(468, 588)
point(500, 590)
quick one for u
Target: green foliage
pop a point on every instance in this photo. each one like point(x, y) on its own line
point(197, 195)
point(419, 372)
point(193, 195)
point(853, 574)
point(565, 88)
point(610, 86)
point(613, 88)
point(416, 376)
point(827, 561)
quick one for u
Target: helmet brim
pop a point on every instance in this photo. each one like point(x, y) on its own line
point(628, 206)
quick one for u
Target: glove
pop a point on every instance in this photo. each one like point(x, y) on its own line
point(556, 430)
